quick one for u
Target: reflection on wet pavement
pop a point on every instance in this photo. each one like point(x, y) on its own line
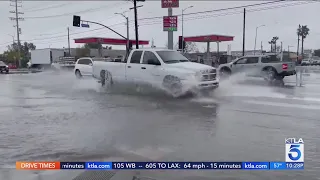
point(54, 116)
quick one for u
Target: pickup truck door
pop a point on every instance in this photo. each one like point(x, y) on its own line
point(239, 65)
point(133, 68)
point(151, 70)
point(252, 66)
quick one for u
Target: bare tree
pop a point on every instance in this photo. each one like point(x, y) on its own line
point(190, 47)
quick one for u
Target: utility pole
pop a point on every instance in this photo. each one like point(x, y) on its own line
point(281, 47)
point(69, 42)
point(261, 47)
point(136, 23)
point(17, 19)
point(244, 31)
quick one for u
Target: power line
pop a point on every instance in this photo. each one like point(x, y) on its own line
point(17, 19)
point(209, 16)
point(151, 18)
point(187, 19)
point(45, 8)
point(230, 13)
point(217, 10)
point(37, 7)
point(6, 43)
point(83, 11)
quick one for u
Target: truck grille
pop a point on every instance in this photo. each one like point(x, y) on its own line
point(209, 77)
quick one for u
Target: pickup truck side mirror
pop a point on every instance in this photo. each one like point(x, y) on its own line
point(90, 64)
point(154, 62)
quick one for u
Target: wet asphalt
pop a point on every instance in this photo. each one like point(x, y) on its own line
point(52, 116)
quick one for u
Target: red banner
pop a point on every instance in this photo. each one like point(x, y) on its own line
point(169, 3)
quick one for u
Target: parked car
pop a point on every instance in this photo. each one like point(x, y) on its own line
point(4, 67)
point(270, 67)
point(164, 68)
point(306, 62)
point(83, 66)
point(316, 62)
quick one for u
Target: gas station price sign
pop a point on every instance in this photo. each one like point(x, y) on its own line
point(170, 23)
point(169, 3)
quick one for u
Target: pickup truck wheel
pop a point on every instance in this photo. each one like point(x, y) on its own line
point(269, 74)
point(224, 73)
point(106, 78)
point(78, 74)
point(173, 85)
point(279, 77)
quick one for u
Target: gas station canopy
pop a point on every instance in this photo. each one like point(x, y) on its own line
point(208, 38)
point(110, 41)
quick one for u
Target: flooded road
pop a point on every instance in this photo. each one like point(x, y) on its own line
point(53, 116)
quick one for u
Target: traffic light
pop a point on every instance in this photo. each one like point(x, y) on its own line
point(130, 45)
point(181, 46)
point(76, 21)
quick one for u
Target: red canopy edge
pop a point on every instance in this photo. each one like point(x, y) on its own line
point(208, 38)
point(110, 41)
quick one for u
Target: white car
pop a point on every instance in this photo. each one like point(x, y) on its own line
point(161, 68)
point(305, 62)
point(83, 66)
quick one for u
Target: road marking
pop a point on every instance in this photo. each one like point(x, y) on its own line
point(288, 105)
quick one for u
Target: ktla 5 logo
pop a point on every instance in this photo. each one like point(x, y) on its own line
point(294, 150)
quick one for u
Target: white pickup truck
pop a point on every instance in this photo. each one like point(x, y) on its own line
point(167, 69)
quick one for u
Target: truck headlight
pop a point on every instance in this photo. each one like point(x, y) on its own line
point(189, 77)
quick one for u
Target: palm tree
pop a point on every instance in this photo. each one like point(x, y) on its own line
point(274, 40)
point(303, 31)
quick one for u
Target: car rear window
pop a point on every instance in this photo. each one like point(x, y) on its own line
point(270, 59)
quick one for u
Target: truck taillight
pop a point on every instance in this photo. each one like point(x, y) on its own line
point(284, 66)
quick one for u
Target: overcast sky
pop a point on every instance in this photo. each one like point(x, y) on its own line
point(46, 22)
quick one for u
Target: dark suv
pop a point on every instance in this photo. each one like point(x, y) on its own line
point(4, 67)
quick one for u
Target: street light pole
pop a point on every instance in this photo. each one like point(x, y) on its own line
point(255, 39)
point(127, 22)
point(12, 38)
point(289, 50)
point(182, 38)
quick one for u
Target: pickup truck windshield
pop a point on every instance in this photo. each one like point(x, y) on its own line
point(170, 57)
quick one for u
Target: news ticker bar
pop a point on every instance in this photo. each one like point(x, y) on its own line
point(160, 165)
